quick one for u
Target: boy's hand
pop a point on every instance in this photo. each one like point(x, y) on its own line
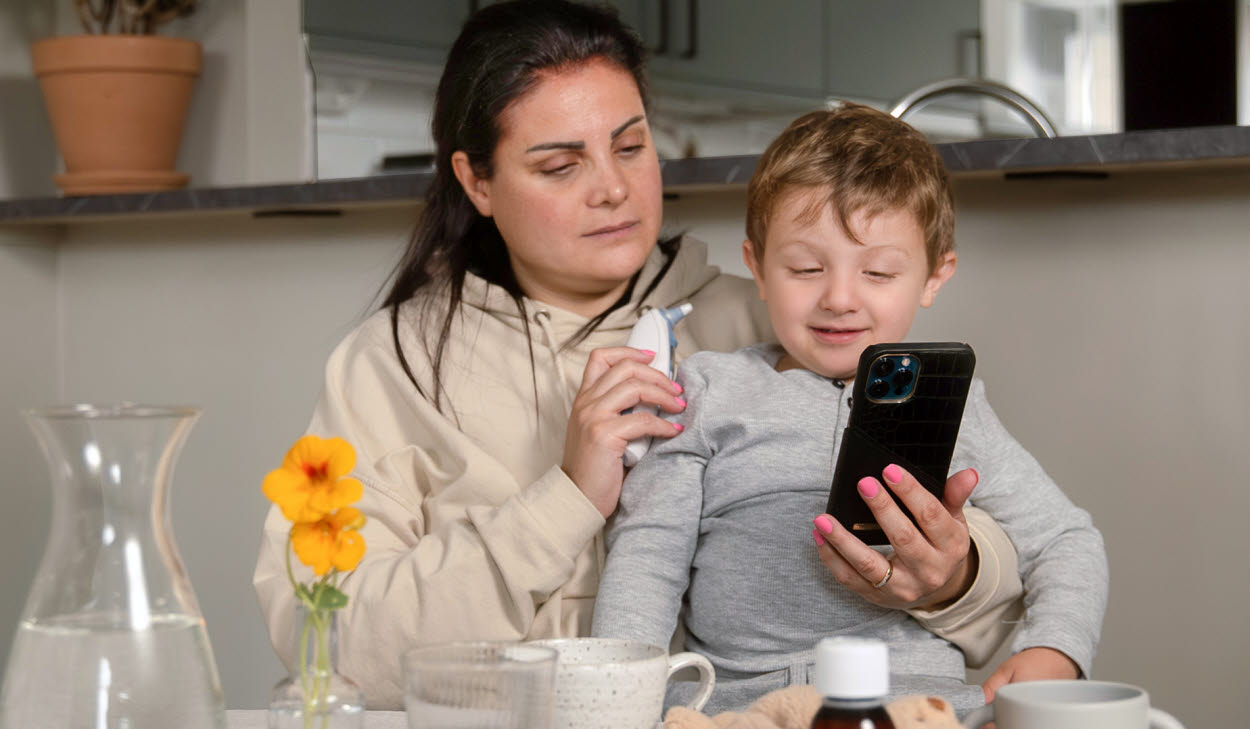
point(1030, 664)
point(931, 566)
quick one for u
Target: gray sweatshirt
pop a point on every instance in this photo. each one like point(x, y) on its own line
point(721, 516)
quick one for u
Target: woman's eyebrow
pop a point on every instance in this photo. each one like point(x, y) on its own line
point(582, 145)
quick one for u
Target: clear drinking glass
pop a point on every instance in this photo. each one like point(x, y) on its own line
point(480, 685)
point(112, 636)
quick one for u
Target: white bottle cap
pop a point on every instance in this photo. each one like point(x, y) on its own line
point(852, 668)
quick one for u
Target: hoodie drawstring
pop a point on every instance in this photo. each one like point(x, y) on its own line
point(543, 319)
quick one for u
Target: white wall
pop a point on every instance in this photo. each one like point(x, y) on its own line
point(29, 374)
point(27, 150)
point(1097, 309)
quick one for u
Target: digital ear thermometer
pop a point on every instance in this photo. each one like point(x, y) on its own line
point(654, 331)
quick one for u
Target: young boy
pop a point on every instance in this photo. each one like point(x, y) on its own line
point(851, 230)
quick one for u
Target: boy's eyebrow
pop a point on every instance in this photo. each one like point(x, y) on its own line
point(545, 146)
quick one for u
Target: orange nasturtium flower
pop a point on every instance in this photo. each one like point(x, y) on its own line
point(311, 482)
point(332, 541)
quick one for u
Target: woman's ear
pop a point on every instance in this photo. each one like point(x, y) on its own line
point(477, 189)
point(753, 263)
point(941, 274)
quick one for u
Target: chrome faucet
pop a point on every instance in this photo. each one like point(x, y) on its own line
point(921, 97)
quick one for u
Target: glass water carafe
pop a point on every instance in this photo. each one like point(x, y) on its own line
point(111, 636)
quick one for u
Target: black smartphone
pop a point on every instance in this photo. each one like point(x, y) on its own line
point(907, 402)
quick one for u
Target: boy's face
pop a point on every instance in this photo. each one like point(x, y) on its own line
point(830, 297)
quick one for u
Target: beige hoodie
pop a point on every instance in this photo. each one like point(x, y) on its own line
point(473, 530)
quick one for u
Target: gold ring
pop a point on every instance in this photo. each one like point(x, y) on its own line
point(889, 572)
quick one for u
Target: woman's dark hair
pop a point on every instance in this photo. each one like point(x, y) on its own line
point(498, 57)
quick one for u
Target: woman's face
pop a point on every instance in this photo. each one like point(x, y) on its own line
point(576, 189)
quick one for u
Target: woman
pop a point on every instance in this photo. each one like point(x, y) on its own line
point(484, 400)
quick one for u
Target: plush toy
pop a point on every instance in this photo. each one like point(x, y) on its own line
point(794, 706)
point(922, 712)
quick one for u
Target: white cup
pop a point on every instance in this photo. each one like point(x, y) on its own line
point(1071, 705)
point(604, 683)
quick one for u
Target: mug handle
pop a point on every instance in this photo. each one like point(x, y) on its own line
point(983, 715)
point(1160, 719)
point(707, 677)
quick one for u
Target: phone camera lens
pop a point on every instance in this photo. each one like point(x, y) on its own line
point(883, 367)
point(878, 389)
point(902, 379)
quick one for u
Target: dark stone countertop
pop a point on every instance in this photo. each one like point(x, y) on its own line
point(1063, 155)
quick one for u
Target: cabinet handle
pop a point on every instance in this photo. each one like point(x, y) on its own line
point(661, 47)
point(692, 29)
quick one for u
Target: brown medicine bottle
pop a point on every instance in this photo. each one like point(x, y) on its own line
point(853, 676)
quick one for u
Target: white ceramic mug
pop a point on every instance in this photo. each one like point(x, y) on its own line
point(1071, 705)
point(604, 683)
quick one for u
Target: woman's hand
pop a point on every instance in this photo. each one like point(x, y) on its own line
point(1030, 664)
point(931, 566)
point(616, 379)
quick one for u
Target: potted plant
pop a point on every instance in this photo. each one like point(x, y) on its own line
point(118, 96)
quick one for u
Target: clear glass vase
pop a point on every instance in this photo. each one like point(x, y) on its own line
point(316, 695)
point(111, 636)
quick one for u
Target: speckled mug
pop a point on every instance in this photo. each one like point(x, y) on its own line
point(603, 683)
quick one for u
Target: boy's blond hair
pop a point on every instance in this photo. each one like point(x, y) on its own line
point(858, 161)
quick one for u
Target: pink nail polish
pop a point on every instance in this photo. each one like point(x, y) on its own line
point(677, 388)
point(820, 541)
point(647, 352)
point(679, 427)
point(680, 402)
point(868, 487)
point(893, 473)
point(976, 473)
point(823, 524)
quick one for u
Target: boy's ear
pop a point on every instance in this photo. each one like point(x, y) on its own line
point(476, 188)
point(748, 257)
point(941, 274)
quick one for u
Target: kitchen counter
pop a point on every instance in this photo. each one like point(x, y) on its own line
point(1062, 156)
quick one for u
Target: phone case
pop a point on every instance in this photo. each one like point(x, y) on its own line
point(918, 432)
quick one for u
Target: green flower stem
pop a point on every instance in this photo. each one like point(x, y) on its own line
point(317, 621)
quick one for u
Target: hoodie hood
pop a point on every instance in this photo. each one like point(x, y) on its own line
point(688, 274)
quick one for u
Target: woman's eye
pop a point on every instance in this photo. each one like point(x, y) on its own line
point(630, 150)
point(560, 171)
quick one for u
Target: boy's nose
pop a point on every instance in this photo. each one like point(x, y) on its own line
point(840, 296)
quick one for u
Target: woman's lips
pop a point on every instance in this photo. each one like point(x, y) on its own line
point(836, 336)
point(610, 231)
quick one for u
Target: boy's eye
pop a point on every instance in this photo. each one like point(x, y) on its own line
point(881, 275)
point(804, 271)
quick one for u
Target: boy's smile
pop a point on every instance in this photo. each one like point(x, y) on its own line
point(830, 295)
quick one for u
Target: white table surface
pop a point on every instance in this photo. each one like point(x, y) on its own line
point(257, 718)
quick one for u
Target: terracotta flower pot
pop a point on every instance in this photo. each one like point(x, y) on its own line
point(118, 104)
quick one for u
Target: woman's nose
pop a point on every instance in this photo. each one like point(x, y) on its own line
point(611, 186)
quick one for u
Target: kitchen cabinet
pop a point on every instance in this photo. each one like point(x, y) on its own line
point(883, 49)
point(740, 45)
point(394, 30)
point(801, 50)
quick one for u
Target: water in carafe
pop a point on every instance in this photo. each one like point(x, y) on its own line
point(112, 636)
